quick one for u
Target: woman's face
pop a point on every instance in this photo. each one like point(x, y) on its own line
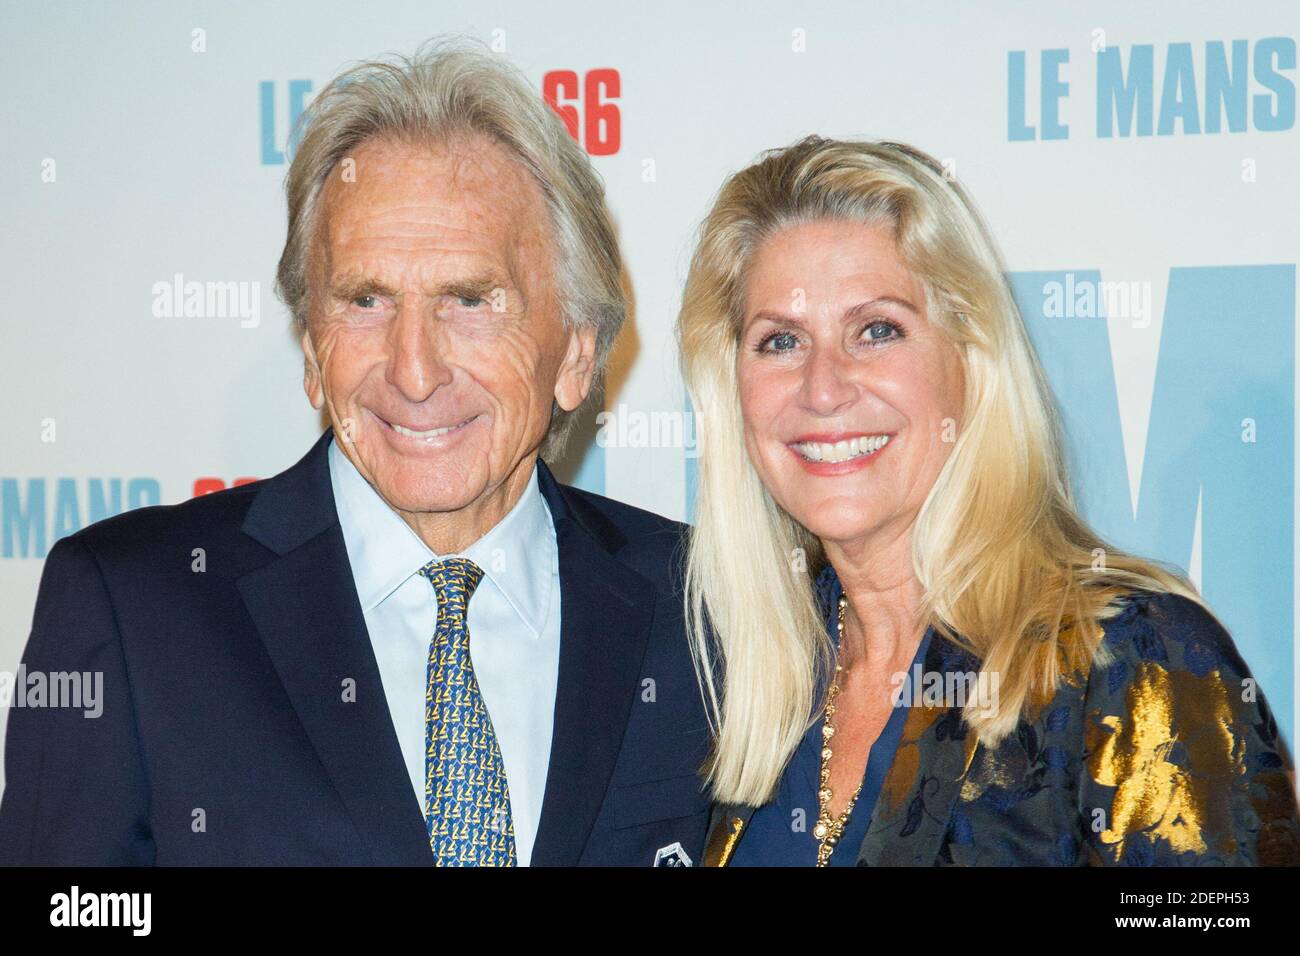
point(851, 400)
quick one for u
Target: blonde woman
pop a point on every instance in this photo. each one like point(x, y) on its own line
point(914, 649)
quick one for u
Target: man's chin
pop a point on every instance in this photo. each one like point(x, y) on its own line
point(422, 496)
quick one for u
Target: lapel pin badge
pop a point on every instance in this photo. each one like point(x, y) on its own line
point(672, 855)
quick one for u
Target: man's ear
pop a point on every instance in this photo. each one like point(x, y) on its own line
point(578, 368)
point(311, 377)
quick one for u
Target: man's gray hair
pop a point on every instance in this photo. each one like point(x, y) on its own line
point(454, 86)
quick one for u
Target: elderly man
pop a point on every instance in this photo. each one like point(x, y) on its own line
point(414, 646)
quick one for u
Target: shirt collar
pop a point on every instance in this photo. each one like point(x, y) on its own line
point(518, 554)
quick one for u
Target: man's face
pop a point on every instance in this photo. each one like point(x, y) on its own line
point(435, 337)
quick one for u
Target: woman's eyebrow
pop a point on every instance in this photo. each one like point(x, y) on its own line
point(776, 318)
point(855, 311)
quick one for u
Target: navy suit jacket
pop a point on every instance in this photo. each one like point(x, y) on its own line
point(227, 735)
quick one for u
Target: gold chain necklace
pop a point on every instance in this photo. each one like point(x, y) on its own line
point(828, 831)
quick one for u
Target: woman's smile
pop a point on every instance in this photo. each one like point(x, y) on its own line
point(838, 453)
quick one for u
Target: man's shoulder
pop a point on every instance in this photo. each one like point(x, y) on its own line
point(241, 525)
point(143, 534)
point(636, 524)
point(650, 541)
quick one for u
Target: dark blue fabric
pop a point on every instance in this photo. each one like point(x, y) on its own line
point(1158, 744)
point(771, 838)
point(244, 718)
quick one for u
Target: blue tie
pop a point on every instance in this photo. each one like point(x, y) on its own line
point(466, 800)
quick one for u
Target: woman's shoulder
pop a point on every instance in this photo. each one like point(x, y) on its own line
point(1184, 759)
point(1166, 656)
point(1172, 632)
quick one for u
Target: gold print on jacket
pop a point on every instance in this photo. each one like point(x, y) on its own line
point(902, 775)
point(1134, 752)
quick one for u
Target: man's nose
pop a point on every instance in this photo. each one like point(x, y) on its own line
point(828, 387)
point(417, 350)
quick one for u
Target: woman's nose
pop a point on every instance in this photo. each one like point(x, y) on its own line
point(827, 384)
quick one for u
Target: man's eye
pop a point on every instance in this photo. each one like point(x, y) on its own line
point(470, 301)
point(778, 342)
point(366, 301)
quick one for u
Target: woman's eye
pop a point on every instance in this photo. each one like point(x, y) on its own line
point(778, 342)
point(880, 331)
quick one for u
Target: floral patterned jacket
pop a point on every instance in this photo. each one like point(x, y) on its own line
point(1169, 756)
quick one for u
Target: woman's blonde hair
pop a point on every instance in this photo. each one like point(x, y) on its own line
point(1008, 568)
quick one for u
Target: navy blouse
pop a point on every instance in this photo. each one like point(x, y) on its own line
point(780, 833)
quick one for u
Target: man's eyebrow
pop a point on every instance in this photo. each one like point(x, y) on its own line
point(353, 287)
point(479, 285)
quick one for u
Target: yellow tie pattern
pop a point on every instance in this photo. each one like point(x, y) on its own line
point(466, 800)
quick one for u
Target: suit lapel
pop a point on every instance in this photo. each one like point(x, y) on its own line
point(305, 607)
point(606, 613)
point(934, 753)
point(726, 824)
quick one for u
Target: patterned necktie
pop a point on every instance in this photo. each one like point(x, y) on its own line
point(466, 800)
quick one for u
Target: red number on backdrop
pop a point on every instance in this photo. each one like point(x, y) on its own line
point(562, 83)
point(602, 132)
point(604, 129)
point(206, 486)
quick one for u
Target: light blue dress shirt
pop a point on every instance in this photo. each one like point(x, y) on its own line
point(514, 626)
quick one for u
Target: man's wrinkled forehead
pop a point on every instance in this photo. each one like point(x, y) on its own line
point(466, 193)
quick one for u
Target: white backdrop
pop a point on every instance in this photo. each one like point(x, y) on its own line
point(146, 141)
